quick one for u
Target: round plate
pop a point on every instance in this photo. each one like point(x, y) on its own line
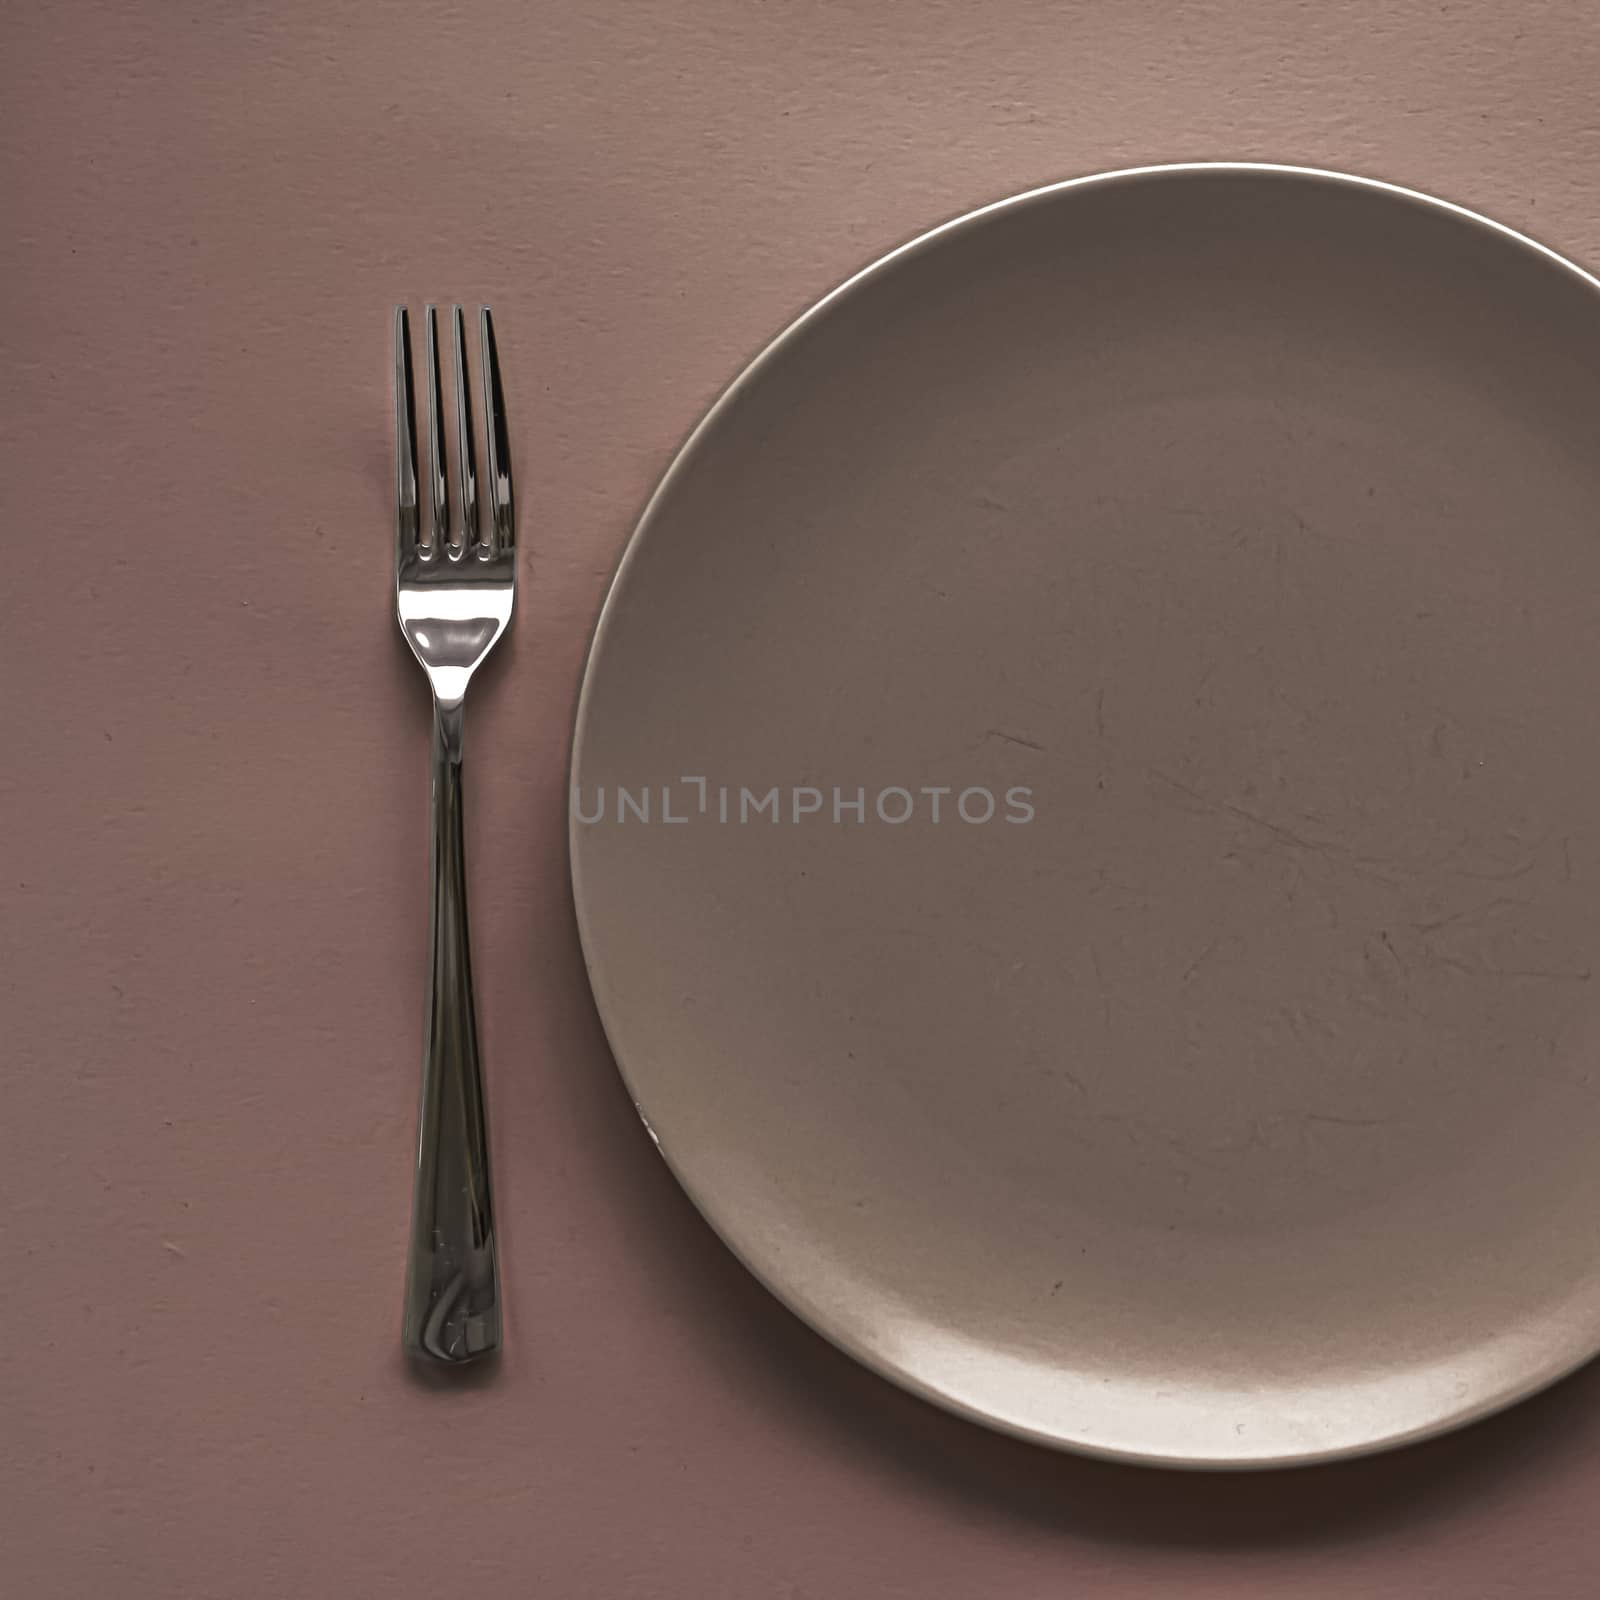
point(1212, 1080)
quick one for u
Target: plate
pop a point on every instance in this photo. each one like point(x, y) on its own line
point(1086, 816)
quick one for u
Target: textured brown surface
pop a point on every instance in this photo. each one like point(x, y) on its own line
point(215, 804)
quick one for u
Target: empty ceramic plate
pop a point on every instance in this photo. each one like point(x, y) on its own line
point(1086, 824)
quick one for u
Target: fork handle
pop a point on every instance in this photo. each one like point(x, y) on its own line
point(452, 1302)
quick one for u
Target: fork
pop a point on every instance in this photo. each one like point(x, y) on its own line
point(454, 588)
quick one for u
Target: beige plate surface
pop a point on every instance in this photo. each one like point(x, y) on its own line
point(1240, 1107)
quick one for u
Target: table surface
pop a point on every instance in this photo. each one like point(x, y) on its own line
point(215, 791)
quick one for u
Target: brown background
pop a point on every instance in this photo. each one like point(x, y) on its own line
point(214, 784)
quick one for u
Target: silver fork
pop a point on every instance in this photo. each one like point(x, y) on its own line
point(454, 588)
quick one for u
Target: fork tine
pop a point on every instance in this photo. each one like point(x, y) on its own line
point(466, 458)
point(494, 404)
point(438, 535)
point(405, 438)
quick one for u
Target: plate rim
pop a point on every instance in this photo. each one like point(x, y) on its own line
point(793, 1301)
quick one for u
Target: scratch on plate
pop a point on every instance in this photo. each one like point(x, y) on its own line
point(1013, 738)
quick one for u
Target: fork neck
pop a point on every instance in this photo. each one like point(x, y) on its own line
point(448, 722)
